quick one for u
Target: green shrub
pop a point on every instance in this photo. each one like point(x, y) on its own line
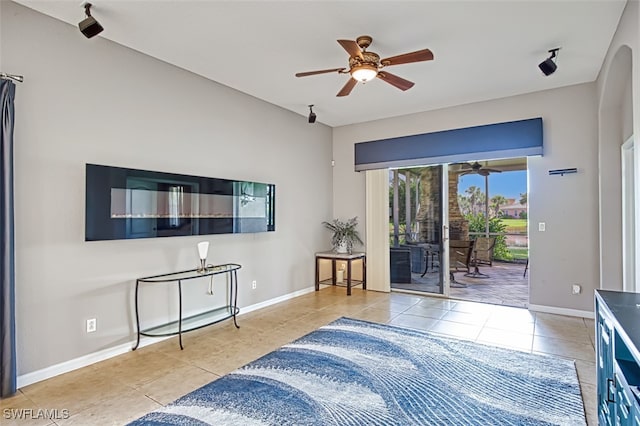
point(477, 223)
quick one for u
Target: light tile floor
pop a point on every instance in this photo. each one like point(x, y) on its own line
point(126, 387)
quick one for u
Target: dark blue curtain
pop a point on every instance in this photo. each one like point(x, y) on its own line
point(7, 256)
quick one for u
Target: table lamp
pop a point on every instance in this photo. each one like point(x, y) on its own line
point(203, 248)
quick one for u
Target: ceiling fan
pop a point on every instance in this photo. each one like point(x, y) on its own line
point(476, 168)
point(365, 66)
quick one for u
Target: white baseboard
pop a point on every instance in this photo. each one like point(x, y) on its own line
point(83, 361)
point(92, 358)
point(562, 311)
point(275, 300)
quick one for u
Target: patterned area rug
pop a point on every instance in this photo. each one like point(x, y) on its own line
point(353, 372)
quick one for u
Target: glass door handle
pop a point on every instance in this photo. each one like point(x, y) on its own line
point(445, 233)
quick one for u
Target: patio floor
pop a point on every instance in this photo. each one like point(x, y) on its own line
point(504, 285)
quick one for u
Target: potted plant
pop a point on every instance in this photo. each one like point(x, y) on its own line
point(344, 235)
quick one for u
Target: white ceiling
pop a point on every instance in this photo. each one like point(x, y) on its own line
point(483, 49)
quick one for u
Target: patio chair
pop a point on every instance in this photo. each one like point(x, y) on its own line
point(431, 255)
point(459, 257)
point(483, 250)
point(482, 255)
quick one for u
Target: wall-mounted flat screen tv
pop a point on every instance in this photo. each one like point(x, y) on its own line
point(129, 203)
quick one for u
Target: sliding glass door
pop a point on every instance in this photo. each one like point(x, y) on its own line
point(418, 229)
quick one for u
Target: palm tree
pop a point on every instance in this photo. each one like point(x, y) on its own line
point(476, 198)
point(496, 202)
point(464, 204)
point(523, 198)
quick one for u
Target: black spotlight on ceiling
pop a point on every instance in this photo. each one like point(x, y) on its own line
point(312, 115)
point(548, 66)
point(89, 26)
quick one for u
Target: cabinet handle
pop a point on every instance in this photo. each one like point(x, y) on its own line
point(610, 382)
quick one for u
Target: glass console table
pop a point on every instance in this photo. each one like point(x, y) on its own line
point(196, 321)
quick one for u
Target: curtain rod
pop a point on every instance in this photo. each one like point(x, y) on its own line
point(17, 78)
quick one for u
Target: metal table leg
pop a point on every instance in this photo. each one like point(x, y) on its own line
point(426, 263)
point(137, 317)
point(349, 277)
point(180, 313)
point(234, 293)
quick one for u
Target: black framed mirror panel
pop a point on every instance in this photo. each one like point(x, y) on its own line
point(126, 203)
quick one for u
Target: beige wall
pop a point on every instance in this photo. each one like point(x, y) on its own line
point(93, 101)
point(567, 253)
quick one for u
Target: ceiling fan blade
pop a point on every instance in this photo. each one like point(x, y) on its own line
point(351, 47)
point(347, 88)
point(418, 56)
point(396, 81)
point(304, 74)
point(492, 170)
point(464, 164)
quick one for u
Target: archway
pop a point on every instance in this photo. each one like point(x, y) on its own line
point(615, 127)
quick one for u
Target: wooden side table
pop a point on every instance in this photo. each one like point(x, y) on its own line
point(349, 258)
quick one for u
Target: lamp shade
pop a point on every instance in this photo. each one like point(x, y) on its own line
point(203, 249)
point(364, 72)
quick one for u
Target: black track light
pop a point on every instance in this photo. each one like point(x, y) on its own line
point(548, 66)
point(89, 26)
point(312, 115)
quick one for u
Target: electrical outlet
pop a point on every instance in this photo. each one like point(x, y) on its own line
point(254, 284)
point(92, 325)
point(542, 226)
point(576, 289)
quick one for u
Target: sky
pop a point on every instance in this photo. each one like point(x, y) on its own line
point(507, 184)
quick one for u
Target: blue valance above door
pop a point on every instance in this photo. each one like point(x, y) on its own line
point(501, 140)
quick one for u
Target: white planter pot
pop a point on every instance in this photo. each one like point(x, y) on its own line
point(342, 248)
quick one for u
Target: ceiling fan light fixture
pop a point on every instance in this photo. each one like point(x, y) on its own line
point(365, 65)
point(364, 72)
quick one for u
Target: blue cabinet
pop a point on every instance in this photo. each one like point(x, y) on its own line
point(618, 359)
point(604, 353)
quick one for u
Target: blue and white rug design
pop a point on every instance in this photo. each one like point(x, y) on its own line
point(353, 372)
